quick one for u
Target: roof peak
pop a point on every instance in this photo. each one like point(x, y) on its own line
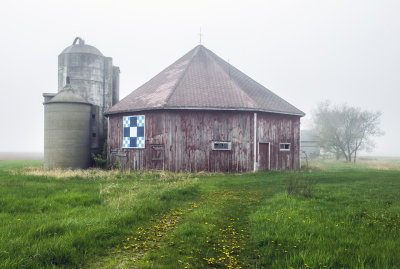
point(67, 95)
point(79, 46)
point(202, 80)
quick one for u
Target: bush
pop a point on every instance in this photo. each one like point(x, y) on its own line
point(100, 160)
point(301, 186)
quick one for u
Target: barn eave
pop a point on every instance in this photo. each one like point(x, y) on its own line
point(205, 108)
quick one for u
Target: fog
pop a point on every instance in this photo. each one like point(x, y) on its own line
point(305, 51)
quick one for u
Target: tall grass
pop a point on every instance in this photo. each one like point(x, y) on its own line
point(58, 220)
point(148, 219)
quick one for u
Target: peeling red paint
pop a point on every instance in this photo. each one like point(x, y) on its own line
point(185, 138)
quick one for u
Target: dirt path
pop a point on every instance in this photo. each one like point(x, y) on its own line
point(224, 237)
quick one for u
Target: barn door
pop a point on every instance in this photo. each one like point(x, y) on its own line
point(157, 156)
point(263, 156)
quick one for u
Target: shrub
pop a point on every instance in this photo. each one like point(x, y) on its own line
point(301, 186)
point(100, 160)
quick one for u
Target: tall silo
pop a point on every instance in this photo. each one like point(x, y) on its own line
point(93, 77)
point(67, 118)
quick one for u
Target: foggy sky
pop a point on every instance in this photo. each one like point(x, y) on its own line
point(304, 51)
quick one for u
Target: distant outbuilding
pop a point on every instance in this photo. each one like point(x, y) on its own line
point(309, 144)
point(203, 114)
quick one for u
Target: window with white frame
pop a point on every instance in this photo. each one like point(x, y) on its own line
point(284, 146)
point(221, 145)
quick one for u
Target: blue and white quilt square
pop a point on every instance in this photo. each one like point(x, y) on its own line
point(133, 132)
point(126, 122)
point(140, 121)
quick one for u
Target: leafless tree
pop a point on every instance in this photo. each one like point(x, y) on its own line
point(344, 130)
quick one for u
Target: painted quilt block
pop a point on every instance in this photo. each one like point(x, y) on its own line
point(134, 132)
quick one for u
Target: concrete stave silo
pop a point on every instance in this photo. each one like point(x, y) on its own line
point(92, 76)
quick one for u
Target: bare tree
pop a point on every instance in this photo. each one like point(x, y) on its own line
point(344, 130)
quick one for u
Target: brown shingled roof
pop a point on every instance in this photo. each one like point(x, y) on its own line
point(202, 80)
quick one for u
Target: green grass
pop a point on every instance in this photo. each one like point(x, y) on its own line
point(98, 219)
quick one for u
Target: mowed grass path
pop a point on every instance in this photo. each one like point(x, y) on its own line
point(96, 219)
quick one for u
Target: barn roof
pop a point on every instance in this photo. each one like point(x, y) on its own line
point(202, 80)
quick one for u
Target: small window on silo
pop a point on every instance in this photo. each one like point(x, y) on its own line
point(93, 116)
point(93, 134)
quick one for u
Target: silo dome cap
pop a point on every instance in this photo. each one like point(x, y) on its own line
point(67, 95)
point(81, 47)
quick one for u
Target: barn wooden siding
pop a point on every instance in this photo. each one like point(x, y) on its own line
point(180, 140)
point(276, 129)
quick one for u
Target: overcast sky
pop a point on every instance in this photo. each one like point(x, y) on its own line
point(304, 51)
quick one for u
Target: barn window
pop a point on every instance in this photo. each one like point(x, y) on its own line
point(284, 146)
point(133, 132)
point(221, 145)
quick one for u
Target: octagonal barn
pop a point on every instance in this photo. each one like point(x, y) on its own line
point(202, 114)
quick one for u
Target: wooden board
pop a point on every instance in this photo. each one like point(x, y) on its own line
point(185, 137)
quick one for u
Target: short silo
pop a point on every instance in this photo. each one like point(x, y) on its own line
point(67, 131)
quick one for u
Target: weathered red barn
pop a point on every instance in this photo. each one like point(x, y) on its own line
point(201, 113)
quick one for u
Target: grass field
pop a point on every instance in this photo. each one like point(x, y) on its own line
point(333, 215)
